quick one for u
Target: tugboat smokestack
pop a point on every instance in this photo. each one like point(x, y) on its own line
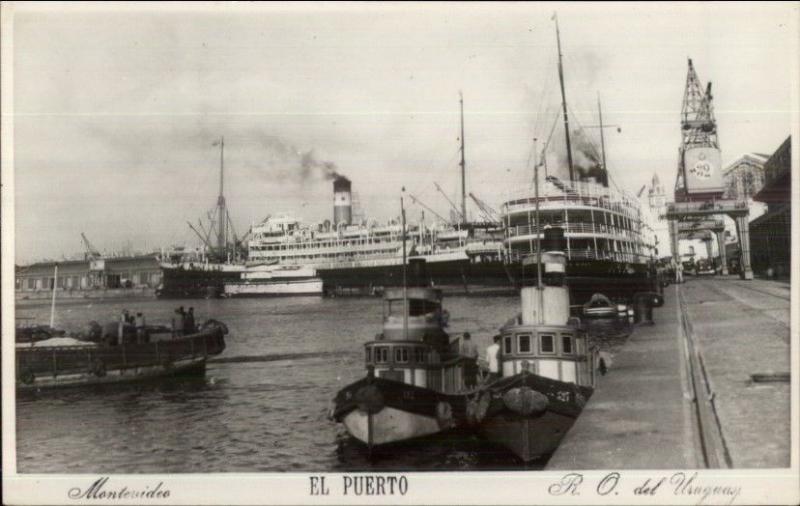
point(342, 201)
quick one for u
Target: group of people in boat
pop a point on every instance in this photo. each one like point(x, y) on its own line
point(183, 322)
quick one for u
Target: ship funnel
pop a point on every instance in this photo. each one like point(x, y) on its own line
point(342, 201)
point(550, 305)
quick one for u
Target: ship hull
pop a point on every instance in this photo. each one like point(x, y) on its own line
point(378, 411)
point(616, 280)
point(274, 288)
point(585, 278)
point(534, 427)
point(180, 282)
point(49, 367)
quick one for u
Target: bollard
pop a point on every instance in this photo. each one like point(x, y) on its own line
point(640, 308)
point(643, 304)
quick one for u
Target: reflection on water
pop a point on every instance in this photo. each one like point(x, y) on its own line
point(261, 406)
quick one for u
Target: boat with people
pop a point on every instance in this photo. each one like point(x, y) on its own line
point(117, 352)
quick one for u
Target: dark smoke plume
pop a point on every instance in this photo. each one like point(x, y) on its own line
point(304, 164)
point(586, 160)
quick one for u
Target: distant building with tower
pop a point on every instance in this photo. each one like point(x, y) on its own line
point(657, 203)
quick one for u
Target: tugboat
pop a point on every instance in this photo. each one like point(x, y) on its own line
point(415, 382)
point(545, 364)
point(546, 367)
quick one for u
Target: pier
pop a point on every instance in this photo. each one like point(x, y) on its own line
point(706, 386)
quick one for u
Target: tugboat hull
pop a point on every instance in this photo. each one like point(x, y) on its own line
point(389, 425)
point(378, 411)
point(528, 438)
point(530, 414)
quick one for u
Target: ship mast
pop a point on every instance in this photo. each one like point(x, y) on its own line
point(463, 164)
point(564, 100)
point(602, 142)
point(221, 236)
point(405, 275)
point(539, 232)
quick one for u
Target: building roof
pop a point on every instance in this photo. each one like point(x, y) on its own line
point(777, 175)
point(756, 158)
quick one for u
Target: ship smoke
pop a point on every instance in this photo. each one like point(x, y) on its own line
point(305, 164)
point(585, 158)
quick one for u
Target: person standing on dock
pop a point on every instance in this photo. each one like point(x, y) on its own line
point(470, 351)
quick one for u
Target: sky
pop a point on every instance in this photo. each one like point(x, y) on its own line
point(117, 107)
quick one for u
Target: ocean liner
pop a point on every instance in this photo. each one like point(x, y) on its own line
point(608, 248)
point(605, 230)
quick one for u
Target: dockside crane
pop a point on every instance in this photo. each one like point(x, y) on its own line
point(698, 125)
point(91, 252)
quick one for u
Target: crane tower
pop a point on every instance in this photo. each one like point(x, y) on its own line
point(699, 160)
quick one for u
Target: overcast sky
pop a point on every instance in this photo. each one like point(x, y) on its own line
point(116, 108)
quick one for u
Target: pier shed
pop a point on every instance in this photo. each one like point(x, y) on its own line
point(770, 234)
point(139, 271)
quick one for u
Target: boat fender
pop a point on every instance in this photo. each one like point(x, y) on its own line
point(26, 376)
point(444, 415)
point(369, 399)
point(525, 401)
point(99, 369)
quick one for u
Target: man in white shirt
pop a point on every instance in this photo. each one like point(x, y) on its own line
point(493, 357)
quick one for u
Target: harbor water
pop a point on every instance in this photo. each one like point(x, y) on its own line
point(262, 405)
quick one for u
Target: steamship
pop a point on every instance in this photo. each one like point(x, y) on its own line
point(604, 230)
point(608, 248)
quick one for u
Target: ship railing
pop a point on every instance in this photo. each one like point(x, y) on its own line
point(573, 228)
point(591, 254)
point(590, 194)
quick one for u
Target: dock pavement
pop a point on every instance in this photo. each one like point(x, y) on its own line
point(706, 386)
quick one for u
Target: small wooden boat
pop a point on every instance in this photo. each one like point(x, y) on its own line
point(66, 361)
point(600, 306)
